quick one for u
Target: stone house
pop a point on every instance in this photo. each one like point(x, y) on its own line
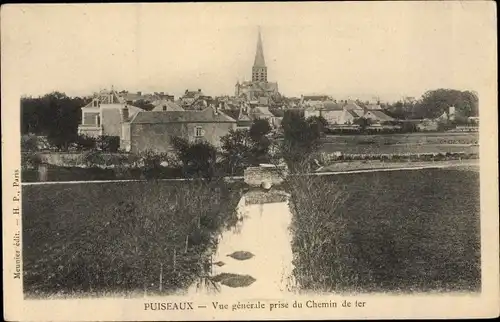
point(102, 116)
point(154, 130)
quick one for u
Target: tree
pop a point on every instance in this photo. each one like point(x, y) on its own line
point(363, 123)
point(198, 159)
point(319, 123)
point(436, 102)
point(259, 141)
point(55, 115)
point(259, 128)
point(143, 104)
point(301, 140)
point(236, 147)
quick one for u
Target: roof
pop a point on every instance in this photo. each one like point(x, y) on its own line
point(352, 113)
point(132, 109)
point(171, 106)
point(381, 115)
point(374, 107)
point(315, 97)
point(261, 110)
point(330, 105)
point(159, 117)
point(352, 106)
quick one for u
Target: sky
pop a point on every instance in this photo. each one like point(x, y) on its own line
point(343, 49)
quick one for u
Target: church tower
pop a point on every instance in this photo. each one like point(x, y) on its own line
point(259, 69)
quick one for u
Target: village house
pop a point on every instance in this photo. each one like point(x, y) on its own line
point(153, 130)
point(102, 116)
point(195, 100)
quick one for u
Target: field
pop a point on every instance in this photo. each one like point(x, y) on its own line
point(402, 231)
point(118, 238)
point(402, 143)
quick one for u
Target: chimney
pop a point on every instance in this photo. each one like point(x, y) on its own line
point(199, 90)
point(139, 93)
point(125, 114)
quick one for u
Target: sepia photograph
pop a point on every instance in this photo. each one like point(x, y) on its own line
point(277, 160)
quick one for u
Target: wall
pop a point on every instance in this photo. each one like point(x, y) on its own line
point(255, 176)
point(156, 137)
point(111, 121)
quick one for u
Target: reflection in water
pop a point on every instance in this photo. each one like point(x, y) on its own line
point(262, 231)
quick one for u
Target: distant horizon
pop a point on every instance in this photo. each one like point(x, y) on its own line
point(347, 50)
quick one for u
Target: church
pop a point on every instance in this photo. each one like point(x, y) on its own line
point(258, 91)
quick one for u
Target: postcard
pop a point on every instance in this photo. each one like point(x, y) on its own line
point(250, 161)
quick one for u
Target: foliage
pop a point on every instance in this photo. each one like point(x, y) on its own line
point(363, 123)
point(30, 160)
point(421, 234)
point(143, 104)
point(198, 159)
point(29, 143)
point(318, 123)
point(108, 143)
point(85, 142)
point(435, 102)
point(243, 148)
point(135, 237)
point(301, 140)
point(151, 164)
point(55, 115)
point(236, 147)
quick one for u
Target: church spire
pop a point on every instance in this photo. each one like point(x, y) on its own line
point(259, 69)
point(259, 54)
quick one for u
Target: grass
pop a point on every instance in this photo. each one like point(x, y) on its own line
point(402, 143)
point(404, 231)
point(126, 237)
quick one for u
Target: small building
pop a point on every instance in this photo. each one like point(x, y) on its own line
point(154, 130)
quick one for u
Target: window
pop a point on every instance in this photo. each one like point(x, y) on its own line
point(198, 131)
point(164, 107)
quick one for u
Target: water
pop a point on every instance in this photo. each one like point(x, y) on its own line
point(264, 232)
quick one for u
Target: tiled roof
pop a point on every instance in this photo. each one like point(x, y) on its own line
point(374, 107)
point(352, 113)
point(171, 106)
point(158, 117)
point(352, 106)
point(233, 113)
point(381, 115)
point(316, 97)
point(329, 105)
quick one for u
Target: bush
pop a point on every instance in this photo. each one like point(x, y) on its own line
point(197, 159)
point(93, 159)
point(85, 142)
point(30, 160)
point(29, 143)
point(108, 143)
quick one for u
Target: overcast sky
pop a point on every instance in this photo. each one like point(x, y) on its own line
point(342, 49)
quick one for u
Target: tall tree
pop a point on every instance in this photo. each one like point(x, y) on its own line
point(301, 140)
point(435, 102)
